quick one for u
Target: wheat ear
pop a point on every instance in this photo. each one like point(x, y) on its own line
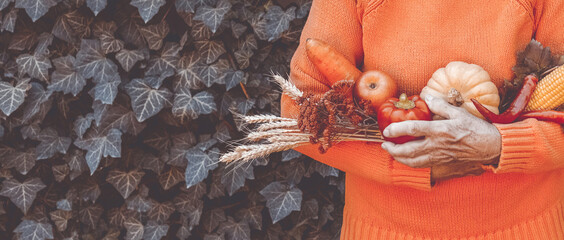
point(287, 87)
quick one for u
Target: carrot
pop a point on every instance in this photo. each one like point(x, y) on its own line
point(331, 63)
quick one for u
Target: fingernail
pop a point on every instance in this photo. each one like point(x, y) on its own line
point(386, 132)
point(385, 146)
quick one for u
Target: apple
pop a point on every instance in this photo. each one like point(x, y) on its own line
point(375, 86)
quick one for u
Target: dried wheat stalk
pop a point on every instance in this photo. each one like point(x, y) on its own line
point(274, 134)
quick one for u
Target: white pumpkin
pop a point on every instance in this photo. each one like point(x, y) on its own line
point(470, 80)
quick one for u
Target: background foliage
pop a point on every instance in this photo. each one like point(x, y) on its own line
point(114, 113)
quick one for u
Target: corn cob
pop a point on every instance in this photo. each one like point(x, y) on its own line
point(549, 93)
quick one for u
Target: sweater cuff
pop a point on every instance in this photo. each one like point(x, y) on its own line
point(517, 147)
point(418, 178)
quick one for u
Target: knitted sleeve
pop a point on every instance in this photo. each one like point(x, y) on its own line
point(535, 146)
point(337, 23)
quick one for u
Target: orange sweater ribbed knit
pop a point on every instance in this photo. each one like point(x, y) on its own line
point(521, 199)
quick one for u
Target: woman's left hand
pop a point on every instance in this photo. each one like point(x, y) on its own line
point(461, 137)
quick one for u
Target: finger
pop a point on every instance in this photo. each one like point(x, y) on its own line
point(441, 107)
point(414, 128)
point(406, 150)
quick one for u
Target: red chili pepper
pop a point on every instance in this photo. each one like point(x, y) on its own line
point(516, 107)
point(547, 115)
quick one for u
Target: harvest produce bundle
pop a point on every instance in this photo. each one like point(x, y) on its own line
point(360, 105)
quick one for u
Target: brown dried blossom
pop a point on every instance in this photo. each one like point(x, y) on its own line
point(325, 116)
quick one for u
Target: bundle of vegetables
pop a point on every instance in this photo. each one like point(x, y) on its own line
point(361, 104)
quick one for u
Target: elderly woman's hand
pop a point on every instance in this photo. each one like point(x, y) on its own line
point(460, 138)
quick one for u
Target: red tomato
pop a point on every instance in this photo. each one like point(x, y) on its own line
point(402, 109)
point(375, 86)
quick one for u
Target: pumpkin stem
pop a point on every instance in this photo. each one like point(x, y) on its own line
point(455, 98)
point(404, 103)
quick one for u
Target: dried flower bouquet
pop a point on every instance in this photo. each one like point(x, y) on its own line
point(323, 119)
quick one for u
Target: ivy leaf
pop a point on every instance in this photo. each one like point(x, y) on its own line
point(122, 118)
point(210, 50)
point(65, 78)
point(159, 140)
point(117, 216)
point(200, 32)
point(36, 8)
point(64, 204)
point(209, 74)
point(278, 21)
point(181, 144)
point(281, 199)
point(294, 172)
point(147, 101)
point(90, 191)
point(234, 175)
point(36, 66)
point(188, 73)
point(60, 172)
point(12, 97)
point(238, 29)
point(36, 100)
point(99, 145)
point(110, 44)
point(148, 8)
point(23, 40)
point(290, 155)
point(128, 58)
point(154, 231)
point(91, 215)
point(51, 143)
point(23, 162)
point(166, 62)
point(61, 218)
point(243, 57)
point(236, 230)
point(252, 215)
point(82, 123)
point(125, 182)
point(323, 169)
point(34, 230)
point(92, 63)
point(244, 105)
point(96, 5)
point(186, 105)
point(161, 212)
point(213, 218)
point(154, 34)
point(212, 17)
point(150, 162)
point(171, 177)
point(5, 3)
point(70, 26)
point(304, 9)
point(22, 194)
point(216, 187)
point(134, 229)
point(233, 78)
point(190, 199)
point(190, 5)
point(139, 203)
point(129, 31)
point(199, 164)
point(77, 163)
point(9, 22)
point(106, 92)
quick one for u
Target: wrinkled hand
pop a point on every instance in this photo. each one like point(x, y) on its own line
point(460, 140)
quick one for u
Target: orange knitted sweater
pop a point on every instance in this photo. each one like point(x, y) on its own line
point(523, 198)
